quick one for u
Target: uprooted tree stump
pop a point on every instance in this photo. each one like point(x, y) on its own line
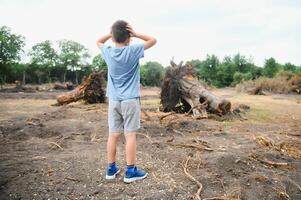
point(91, 91)
point(182, 92)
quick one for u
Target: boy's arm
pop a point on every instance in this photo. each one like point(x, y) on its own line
point(100, 42)
point(148, 40)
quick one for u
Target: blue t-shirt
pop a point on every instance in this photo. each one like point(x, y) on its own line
point(123, 70)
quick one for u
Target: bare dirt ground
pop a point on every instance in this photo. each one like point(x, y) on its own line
point(49, 152)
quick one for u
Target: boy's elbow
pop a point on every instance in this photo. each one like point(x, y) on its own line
point(154, 41)
point(151, 42)
point(99, 44)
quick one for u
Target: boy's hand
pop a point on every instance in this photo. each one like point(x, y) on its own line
point(148, 40)
point(131, 30)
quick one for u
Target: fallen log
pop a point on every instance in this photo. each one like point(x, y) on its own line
point(61, 86)
point(91, 91)
point(182, 92)
point(19, 87)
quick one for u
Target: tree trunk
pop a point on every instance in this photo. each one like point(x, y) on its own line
point(76, 77)
point(48, 77)
point(1, 82)
point(63, 86)
point(64, 77)
point(183, 92)
point(24, 78)
point(91, 90)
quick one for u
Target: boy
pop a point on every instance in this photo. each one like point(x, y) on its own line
point(123, 91)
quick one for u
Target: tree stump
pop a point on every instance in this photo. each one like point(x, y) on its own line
point(183, 92)
point(91, 91)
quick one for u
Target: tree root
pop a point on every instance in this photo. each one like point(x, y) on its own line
point(201, 106)
point(185, 166)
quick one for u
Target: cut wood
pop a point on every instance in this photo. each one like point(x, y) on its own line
point(91, 91)
point(183, 92)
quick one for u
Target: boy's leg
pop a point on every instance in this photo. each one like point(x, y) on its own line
point(132, 173)
point(111, 147)
point(112, 168)
point(115, 122)
point(130, 148)
point(115, 128)
point(131, 113)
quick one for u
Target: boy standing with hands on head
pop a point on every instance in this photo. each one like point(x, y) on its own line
point(123, 92)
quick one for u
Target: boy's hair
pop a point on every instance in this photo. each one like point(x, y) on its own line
point(119, 32)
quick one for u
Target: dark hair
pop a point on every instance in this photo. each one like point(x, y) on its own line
point(119, 32)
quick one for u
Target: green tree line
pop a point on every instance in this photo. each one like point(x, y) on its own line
point(232, 70)
point(71, 61)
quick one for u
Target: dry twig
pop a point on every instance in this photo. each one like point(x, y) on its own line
point(197, 194)
point(56, 144)
point(179, 132)
point(191, 146)
point(149, 138)
point(148, 118)
point(162, 117)
point(274, 164)
point(72, 179)
point(221, 198)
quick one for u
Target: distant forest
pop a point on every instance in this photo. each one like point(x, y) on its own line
point(71, 62)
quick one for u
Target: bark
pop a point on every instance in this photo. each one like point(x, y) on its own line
point(1, 82)
point(64, 77)
point(76, 77)
point(63, 86)
point(183, 92)
point(91, 91)
point(49, 77)
point(24, 78)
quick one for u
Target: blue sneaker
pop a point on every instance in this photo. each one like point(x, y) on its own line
point(112, 171)
point(133, 174)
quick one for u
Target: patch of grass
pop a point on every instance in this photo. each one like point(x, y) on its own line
point(257, 114)
point(150, 102)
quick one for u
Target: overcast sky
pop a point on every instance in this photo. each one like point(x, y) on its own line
point(185, 30)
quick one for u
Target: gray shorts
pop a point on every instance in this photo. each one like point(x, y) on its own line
point(124, 116)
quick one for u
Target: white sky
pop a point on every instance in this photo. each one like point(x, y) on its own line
point(185, 30)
